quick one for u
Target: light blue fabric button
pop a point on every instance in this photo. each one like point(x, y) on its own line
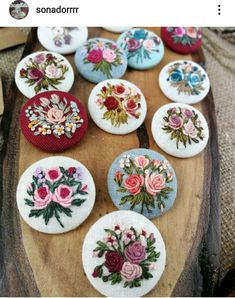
point(100, 59)
point(142, 180)
point(144, 48)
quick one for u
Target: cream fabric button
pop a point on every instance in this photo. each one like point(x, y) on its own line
point(63, 40)
point(55, 194)
point(43, 71)
point(117, 29)
point(123, 255)
point(117, 106)
point(180, 130)
point(184, 81)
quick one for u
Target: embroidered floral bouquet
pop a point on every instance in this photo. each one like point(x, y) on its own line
point(128, 256)
point(104, 56)
point(140, 44)
point(183, 126)
point(185, 35)
point(186, 77)
point(44, 70)
point(54, 191)
point(62, 35)
point(54, 116)
point(145, 181)
point(120, 103)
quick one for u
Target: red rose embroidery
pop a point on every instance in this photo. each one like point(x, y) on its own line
point(113, 261)
point(95, 56)
point(111, 103)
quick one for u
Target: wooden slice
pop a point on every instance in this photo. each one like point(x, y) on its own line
point(35, 264)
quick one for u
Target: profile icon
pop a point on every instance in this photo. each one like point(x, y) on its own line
point(19, 9)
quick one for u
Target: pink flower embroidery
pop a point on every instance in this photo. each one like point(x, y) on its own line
point(154, 183)
point(127, 236)
point(133, 183)
point(131, 271)
point(191, 32)
point(39, 59)
point(135, 253)
point(55, 116)
point(130, 106)
point(190, 130)
point(179, 31)
point(53, 72)
point(148, 45)
point(42, 197)
point(175, 122)
point(141, 162)
point(36, 74)
point(63, 195)
point(53, 174)
point(109, 55)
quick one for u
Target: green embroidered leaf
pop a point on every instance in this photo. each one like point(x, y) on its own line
point(116, 278)
point(125, 199)
point(29, 202)
point(121, 190)
point(36, 212)
point(77, 202)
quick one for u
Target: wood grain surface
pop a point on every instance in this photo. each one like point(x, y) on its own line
point(36, 264)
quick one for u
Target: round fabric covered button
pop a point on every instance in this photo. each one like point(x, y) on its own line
point(63, 40)
point(117, 29)
point(142, 180)
point(55, 194)
point(123, 255)
point(117, 106)
point(183, 40)
point(53, 120)
point(180, 130)
point(144, 48)
point(43, 71)
point(100, 59)
point(184, 81)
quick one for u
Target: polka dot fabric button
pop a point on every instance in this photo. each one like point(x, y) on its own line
point(183, 40)
point(117, 106)
point(144, 48)
point(117, 29)
point(43, 71)
point(100, 59)
point(55, 195)
point(63, 40)
point(184, 81)
point(115, 250)
point(180, 130)
point(53, 121)
point(142, 180)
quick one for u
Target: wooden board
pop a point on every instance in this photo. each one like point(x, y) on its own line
point(35, 264)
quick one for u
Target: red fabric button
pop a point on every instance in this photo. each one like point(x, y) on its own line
point(53, 120)
point(183, 40)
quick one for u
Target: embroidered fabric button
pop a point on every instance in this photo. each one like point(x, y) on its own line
point(42, 71)
point(123, 255)
point(183, 40)
point(184, 81)
point(63, 40)
point(144, 48)
point(142, 180)
point(53, 120)
point(117, 106)
point(117, 29)
point(55, 194)
point(100, 59)
point(180, 130)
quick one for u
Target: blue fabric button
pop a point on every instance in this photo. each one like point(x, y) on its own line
point(144, 48)
point(100, 59)
point(142, 180)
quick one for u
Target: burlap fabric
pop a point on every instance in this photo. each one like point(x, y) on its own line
point(219, 49)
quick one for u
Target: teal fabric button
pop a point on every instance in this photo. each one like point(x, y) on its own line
point(100, 59)
point(144, 48)
point(142, 180)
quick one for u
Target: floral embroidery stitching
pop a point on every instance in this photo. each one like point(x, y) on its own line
point(129, 256)
point(43, 71)
point(140, 44)
point(184, 126)
point(186, 77)
point(102, 55)
point(54, 191)
point(185, 35)
point(62, 35)
point(54, 115)
point(145, 180)
point(120, 102)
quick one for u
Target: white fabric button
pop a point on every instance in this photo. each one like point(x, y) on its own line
point(117, 29)
point(117, 106)
point(43, 71)
point(63, 40)
point(123, 255)
point(55, 194)
point(184, 81)
point(180, 130)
